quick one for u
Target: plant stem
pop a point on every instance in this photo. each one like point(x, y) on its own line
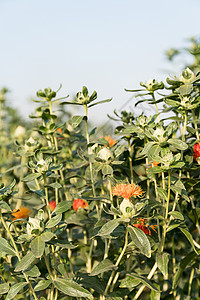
point(130, 159)
point(195, 125)
point(117, 263)
point(18, 256)
point(46, 195)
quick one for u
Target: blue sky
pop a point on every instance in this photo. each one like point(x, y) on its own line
point(107, 45)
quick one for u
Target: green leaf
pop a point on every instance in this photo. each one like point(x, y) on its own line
point(76, 120)
point(100, 102)
point(147, 148)
point(162, 193)
point(71, 288)
point(189, 237)
point(42, 285)
point(15, 289)
point(107, 170)
point(4, 287)
point(176, 215)
point(54, 221)
point(37, 247)
point(5, 247)
point(47, 236)
point(62, 207)
point(144, 280)
point(155, 295)
point(178, 144)
point(55, 185)
point(184, 262)
point(31, 177)
point(140, 240)
point(33, 272)
point(25, 262)
point(4, 205)
point(108, 228)
point(162, 262)
point(129, 282)
point(103, 266)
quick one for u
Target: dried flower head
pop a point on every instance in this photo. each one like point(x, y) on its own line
point(127, 190)
point(196, 151)
point(79, 203)
point(21, 213)
point(146, 229)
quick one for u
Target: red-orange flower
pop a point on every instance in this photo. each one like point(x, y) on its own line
point(144, 228)
point(196, 151)
point(59, 130)
point(21, 213)
point(52, 205)
point(110, 140)
point(127, 190)
point(79, 203)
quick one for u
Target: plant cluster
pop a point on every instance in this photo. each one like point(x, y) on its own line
point(85, 216)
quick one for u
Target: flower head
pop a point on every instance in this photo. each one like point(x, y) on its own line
point(79, 203)
point(52, 205)
point(127, 190)
point(144, 228)
point(196, 151)
point(110, 140)
point(21, 213)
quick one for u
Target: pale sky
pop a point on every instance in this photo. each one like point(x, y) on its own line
point(107, 45)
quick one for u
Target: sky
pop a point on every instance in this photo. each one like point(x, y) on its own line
point(106, 45)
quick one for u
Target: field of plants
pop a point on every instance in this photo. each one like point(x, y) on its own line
point(87, 216)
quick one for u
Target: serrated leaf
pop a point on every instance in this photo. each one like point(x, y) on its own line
point(140, 240)
point(4, 287)
point(162, 262)
point(103, 266)
point(15, 289)
point(54, 221)
point(108, 228)
point(71, 288)
point(129, 282)
point(62, 207)
point(5, 247)
point(37, 247)
point(42, 285)
point(25, 262)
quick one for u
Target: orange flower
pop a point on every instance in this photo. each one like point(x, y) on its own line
point(196, 151)
point(59, 130)
point(79, 203)
point(110, 140)
point(52, 205)
point(127, 190)
point(144, 228)
point(21, 213)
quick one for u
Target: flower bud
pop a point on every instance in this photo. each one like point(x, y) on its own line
point(105, 154)
point(20, 132)
point(127, 208)
point(34, 224)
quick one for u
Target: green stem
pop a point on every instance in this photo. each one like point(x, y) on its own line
point(18, 255)
point(48, 267)
point(154, 100)
point(117, 263)
point(130, 159)
point(46, 195)
point(190, 281)
point(195, 125)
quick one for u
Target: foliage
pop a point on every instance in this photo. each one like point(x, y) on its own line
point(91, 217)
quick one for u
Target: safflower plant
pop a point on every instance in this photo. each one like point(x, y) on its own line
point(91, 216)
